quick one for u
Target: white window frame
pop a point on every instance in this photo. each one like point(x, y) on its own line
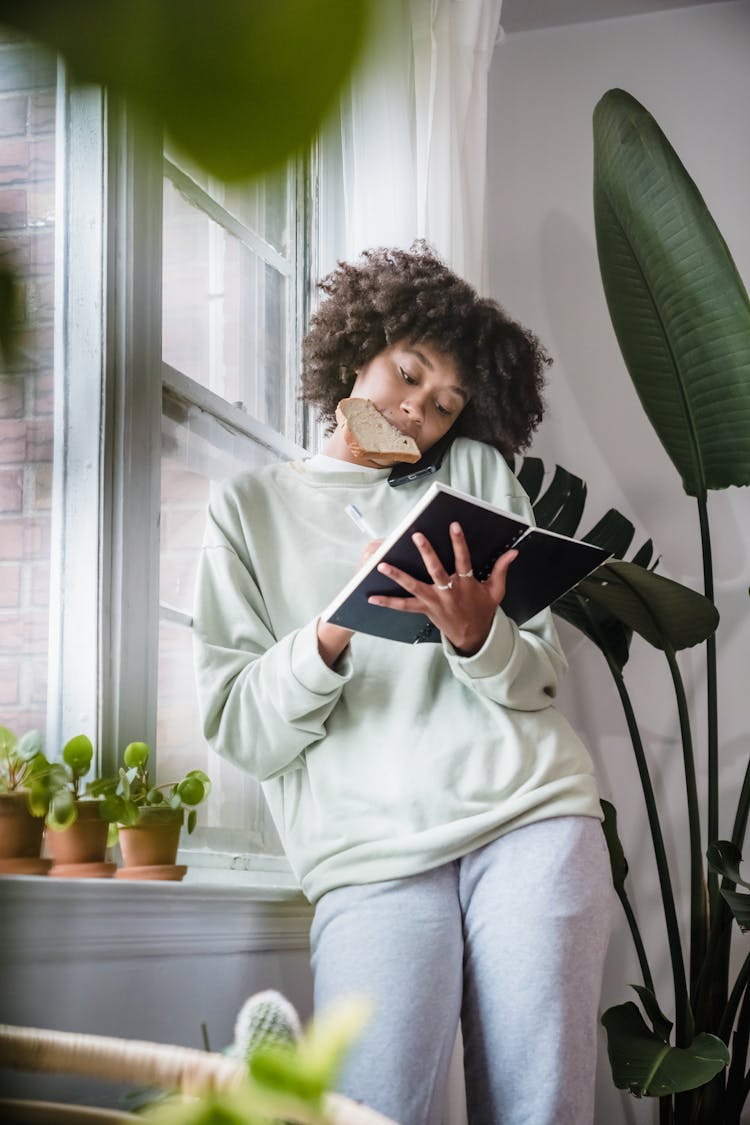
point(104, 609)
point(109, 388)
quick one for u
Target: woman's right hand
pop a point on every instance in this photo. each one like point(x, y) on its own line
point(369, 550)
point(333, 639)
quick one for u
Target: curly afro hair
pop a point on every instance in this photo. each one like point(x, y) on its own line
point(395, 296)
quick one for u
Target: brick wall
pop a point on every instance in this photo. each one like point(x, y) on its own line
point(27, 172)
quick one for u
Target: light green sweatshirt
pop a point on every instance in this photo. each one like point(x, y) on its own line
point(402, 757)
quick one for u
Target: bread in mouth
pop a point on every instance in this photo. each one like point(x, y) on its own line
point(370, 436)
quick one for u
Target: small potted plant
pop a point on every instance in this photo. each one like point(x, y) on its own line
point(76, 824)
point(24, 802)
point(149, 817)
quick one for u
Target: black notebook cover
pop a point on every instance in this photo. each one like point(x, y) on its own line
point(547, 565)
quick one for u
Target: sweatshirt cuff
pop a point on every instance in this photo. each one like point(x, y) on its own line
point(310, 669)
point(494, 654)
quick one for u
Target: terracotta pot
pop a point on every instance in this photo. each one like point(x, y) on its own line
point(20, 832)
point(84, 842)
point(154, 840)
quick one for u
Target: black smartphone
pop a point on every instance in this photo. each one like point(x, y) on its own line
point(404, 472)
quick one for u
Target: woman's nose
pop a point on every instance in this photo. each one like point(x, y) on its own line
point(412, 406)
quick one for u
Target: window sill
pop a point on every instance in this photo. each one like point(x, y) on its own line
point(45, 919)
point(249, 869)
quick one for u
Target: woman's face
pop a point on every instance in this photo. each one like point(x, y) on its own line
point(416, 387)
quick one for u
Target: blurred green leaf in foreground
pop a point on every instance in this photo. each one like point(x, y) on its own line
point(240, 85)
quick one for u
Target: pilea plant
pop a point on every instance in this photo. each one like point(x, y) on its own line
point(124, 796)
point(23, 767)
point(65, 782)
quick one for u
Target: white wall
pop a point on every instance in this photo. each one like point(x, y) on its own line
point(690, 69)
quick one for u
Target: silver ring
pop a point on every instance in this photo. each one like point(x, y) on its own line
point(448, 587)
point(468, 574)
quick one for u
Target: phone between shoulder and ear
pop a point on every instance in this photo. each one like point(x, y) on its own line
point(404, 473)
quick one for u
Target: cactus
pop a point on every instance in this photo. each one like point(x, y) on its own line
point(265, 1019)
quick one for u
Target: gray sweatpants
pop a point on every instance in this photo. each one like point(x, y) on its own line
point(510, 939)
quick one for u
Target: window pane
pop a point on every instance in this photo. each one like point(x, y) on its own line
point(224, 314)
point(229, 300)
point(195, 450)
point(262, 205)
point(27, 209)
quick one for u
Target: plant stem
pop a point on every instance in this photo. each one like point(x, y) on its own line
point(743, 809)
point(745, 1091)
point(698, 907)
point(712, 1007)
point(635, 933)
point(741, 983)
point(711, 700)
point(683, 1015)
point(736, 1091)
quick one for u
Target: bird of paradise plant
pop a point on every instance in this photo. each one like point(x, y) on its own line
point(682, 319)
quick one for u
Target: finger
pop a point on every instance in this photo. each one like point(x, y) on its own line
point(498, 577)
point(411, 585)
point(403, 605)
point(434, 567)
point(460, 550)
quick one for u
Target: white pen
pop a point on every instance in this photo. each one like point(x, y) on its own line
point(354, 514)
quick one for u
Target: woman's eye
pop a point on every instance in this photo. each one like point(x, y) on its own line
point(406, 376)
point(442, 410)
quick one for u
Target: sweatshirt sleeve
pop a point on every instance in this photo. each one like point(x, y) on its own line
point(518, 667)
point(263, 700)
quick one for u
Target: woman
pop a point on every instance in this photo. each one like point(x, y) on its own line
point(439, 812)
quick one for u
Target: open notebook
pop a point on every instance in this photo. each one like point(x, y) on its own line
point(548, 564)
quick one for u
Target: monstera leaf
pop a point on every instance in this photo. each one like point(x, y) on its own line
point(678, 306)
point(560, 508)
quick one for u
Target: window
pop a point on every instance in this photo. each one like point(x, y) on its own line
point(232, 302)
point(27, 243)
point(178, 308)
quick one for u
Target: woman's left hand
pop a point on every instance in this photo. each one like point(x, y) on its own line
point(458, 605)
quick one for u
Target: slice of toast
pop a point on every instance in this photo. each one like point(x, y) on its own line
point(371, 436)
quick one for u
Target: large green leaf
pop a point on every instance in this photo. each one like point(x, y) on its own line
point(561, 506)
point(678, 306)
point(739, 904)
point(560, 509)
point(724, 857)
point(613, 532)
point(531, 476)
point(646, 1065)
point(661, 1025)
point(603, 629)
point(238, 84)
point(617, 860)
point(663, 612)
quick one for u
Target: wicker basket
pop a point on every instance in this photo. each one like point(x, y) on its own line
point(17, 1112)
point(181, 1069)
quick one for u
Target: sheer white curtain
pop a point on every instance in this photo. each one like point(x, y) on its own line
point(413, 135)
